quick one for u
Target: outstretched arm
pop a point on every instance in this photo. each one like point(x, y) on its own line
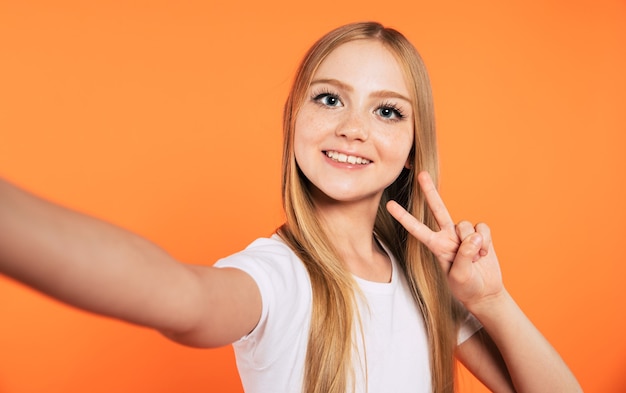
point(104, 269)
point(466, 254)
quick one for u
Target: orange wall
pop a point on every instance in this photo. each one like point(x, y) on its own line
point(164, 118)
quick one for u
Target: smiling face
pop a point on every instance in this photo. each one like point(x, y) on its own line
point(354, 131)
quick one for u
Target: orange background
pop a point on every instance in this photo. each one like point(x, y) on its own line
point(164, 117)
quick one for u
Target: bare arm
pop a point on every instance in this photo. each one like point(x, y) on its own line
point(104, 269)
point(480, 355)
point(521, 356)
point(531, 361)
point(533, 364)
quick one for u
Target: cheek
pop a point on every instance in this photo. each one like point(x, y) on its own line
point(306, 131)
point(300, 139)
point(297, 138)
point(398, 146)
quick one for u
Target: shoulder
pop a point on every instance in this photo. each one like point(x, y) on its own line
point(270, 262)
point(286, 297)
point(268, 254)
point(280, 275)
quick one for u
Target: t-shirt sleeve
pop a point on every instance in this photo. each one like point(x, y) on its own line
point(469, 326)
point(285, 294)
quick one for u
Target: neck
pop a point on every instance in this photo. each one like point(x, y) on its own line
point(350, 228)
point(347, 222)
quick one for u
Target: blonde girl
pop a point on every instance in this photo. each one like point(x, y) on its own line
point(369, 286)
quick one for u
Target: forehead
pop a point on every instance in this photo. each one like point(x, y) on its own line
point(366, 64)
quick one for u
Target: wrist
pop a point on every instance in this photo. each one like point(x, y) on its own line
point(491, 306)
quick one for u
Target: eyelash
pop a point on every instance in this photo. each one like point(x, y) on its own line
point(394, 108)
point(318, 95)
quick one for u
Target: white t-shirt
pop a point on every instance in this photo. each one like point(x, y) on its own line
point(271, 358)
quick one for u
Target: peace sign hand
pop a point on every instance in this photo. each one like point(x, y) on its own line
point(464, 251)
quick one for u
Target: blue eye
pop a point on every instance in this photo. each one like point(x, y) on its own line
point(328, 99)
point(390, 112)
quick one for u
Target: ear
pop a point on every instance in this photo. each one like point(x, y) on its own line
point(408, 164)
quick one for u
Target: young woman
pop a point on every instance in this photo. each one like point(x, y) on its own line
point(368, 286)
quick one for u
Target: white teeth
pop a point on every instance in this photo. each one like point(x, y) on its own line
point(340, 157)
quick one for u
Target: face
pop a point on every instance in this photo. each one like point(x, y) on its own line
point(354, 132)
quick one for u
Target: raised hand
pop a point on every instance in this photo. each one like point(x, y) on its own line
point(464, 251)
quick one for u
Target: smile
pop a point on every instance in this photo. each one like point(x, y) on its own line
point(344, 158)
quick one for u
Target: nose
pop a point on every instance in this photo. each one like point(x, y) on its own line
point(353, 127)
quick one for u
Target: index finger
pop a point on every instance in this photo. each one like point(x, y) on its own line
point(434, 201)
point(416, 228)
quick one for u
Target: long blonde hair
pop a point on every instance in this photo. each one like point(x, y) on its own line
point(329, 352)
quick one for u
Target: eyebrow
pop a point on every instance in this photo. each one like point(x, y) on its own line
point(343, 86)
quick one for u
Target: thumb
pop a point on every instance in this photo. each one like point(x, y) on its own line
point(461, 270)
